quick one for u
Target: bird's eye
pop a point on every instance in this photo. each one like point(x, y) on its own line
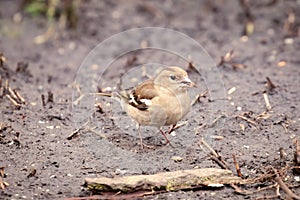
point(172, 77)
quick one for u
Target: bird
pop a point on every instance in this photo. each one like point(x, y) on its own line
point(160, 101)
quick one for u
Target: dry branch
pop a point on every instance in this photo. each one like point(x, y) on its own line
point(285, 188)
point(165, 181)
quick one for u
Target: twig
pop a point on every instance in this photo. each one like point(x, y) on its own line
point(12, 94)
point(13, 101)
point(43, 100)
point(215, 156)
point(270, 84)
point(212, 151)
point(50, 97)
point(74, 133)
point(278, 190)
point(32, 173)
point(199, 96)
point(240, 190)
point(192, 67)
point(246, 119)
point(20, 98)
point(219, 161)
point(216, 120)
point(266, 97)
point(237, 167)
point(267, 187)
point(285, 188)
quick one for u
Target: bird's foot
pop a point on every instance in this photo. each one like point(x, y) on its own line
point(143, 146)
point(166, 138)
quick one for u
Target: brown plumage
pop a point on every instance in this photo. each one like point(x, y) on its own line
point(161, 101)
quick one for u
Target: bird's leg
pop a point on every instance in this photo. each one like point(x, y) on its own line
point(141, 139)
point(168, 141)
point(176, 126)
point(173, 128)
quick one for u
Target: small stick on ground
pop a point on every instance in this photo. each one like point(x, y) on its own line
point(240, 190)
point(13, 101)
point(192, 67)
point(6, 85)
point(50, 97)
point(219, 161)
point(297, 156)
point(12, 94)
point(216, 120)
point(43, 100)
point(74, 133)
point(212, 151)
point(32, 173)
point(285, 188)
point(268, 105)
point(215, 156)
point(246, 119)
point(19, 97)
point(237, 166)
point(270, 84)
point(199, 96)
point(275, 185)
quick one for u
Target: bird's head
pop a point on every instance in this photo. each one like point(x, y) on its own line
point(174, 78)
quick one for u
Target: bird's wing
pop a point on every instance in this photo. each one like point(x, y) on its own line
point(140, 97)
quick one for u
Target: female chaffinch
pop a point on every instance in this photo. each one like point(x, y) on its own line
point(160, 101)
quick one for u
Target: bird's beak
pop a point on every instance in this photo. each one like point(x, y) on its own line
point(187, 82)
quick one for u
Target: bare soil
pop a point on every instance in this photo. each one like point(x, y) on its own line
point(41, 163)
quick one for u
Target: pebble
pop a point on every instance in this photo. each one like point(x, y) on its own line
point(288, 41)
point(177, 158)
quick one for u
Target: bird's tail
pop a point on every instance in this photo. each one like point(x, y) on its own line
point(119, 96)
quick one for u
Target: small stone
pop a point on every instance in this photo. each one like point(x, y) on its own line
point(288, 41)
point(177, 158)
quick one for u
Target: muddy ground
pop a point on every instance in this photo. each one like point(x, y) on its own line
point(41, 163)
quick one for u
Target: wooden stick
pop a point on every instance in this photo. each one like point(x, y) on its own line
point(246, 119)
point(20, 98)
point(199, 96)
point(237, 167)
point(74, 133)
point(285, 188)
point(12, 94)
point(13, 101)
point(266, 97)
point(212, 151)
point(164, 181)
point(216, 157)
